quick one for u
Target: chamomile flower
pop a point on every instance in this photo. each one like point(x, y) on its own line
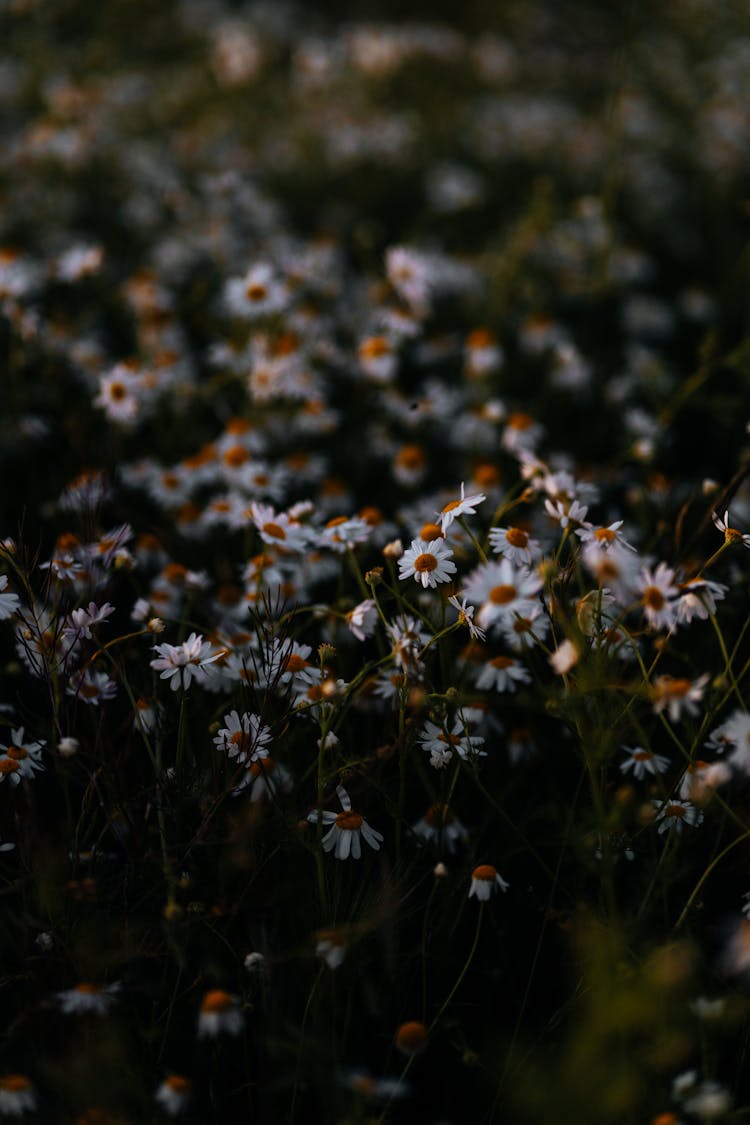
point(87, 998)
point(516, 544)
point(438, 739)
point(243, 737)
point(173, 1094)
point(428, 563)
point(183, 663)
point(678, 696)
point(639, 762)
point(440, 826)
point(465, 506)
point(331, 946)
point(362, 619)
point(466, 617)
point(347, 829)
point(265, 778)
point(220, 1013)
point(503, 591)
point(21, 759)
point(672, 815)
point(658, 592)
point(17, 1094)
point(501, 673)
point(9, 602)
point(484, 880)
point(731, 534)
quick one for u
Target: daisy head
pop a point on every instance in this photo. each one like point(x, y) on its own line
point(427, 562)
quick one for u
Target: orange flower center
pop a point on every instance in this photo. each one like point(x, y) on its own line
point(349, 821)
point(502, 662)
point(439, 815)
point(274, 530)
point(14, 1083)
point(255, 291)
point(502, 595)
point(294, 663)
point(653, 598)
point(604, 535)
point(430, 532)
point(217, 1001)
point(7, 765)
point(17, 752)
point(425, 563)
point(485, 873)
point(411, 1036)
point(517, 538)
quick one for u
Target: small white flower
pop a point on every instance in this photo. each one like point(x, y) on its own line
point(347, 828)
point(466, 506)
point(673, 814)
point(484, 880)
point(731, 534)
point(427, 562)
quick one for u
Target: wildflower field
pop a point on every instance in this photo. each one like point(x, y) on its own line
point(374, 559)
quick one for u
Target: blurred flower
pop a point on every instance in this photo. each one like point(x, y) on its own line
point(88, 998)
point(17, 1095)
point(220, 1012)
point(484, 879)
point(173, 1094)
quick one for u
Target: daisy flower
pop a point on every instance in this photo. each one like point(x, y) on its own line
point(515, 544)
point(566, 512)
point(731, 534)
point(698, 599)
point(9, 603)
point(428, 563)
point(484, 880)
point(658, 593)
point(436, 739)
point(501, 673)
point(466, 617)
point(678, 696)
point(220, 1012)
point(265, 778)
point(17, 1095)
point(347, 829)
point(377, 1089)
point(331, 946)
point(243, 737)
point(22, 759)
point(173, 1094)
point(671, 815)
point(86, 997)
point(362, 619)
point(182, 663)
point(440, 826)
point(465, 506)
point(640, 762)
point(503, 592)
point(605, 538)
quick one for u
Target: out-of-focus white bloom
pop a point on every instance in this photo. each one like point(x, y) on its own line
point(220, 1013)
point(17, 1095)
point(565, 657)
point(678, 696)
point(484, 880)
point(88, 998)
point(9, 603)
point(173, 1094)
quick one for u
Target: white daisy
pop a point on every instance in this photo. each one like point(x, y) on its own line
point(428, 563)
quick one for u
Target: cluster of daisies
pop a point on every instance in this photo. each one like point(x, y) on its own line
point(352, 566)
